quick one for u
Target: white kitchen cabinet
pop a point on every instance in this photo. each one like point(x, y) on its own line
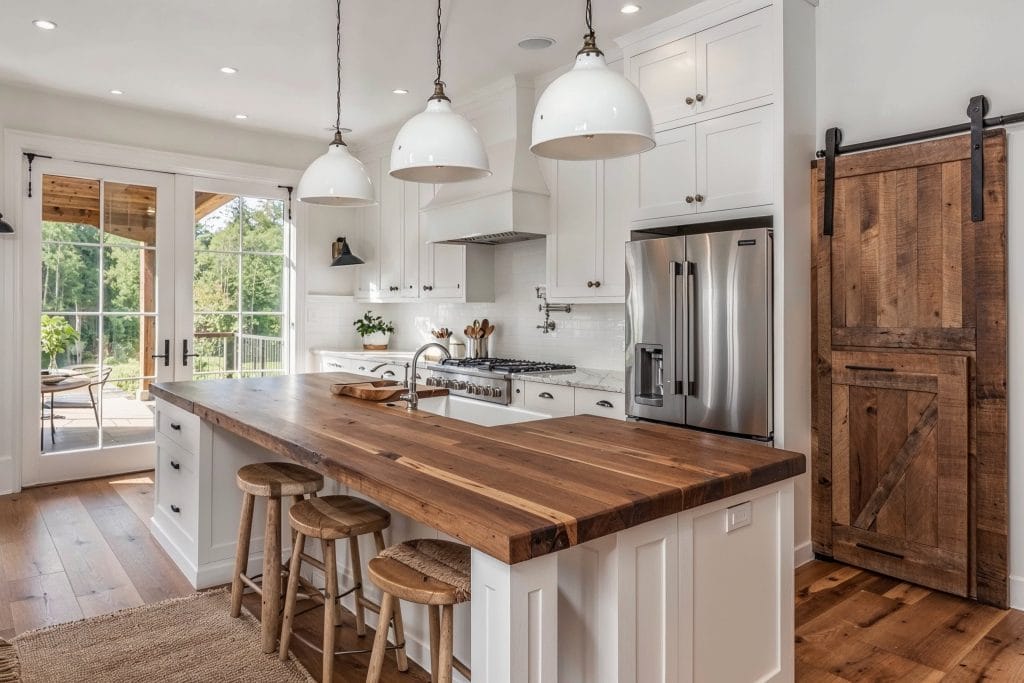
point(693, 75)
point(416, 197)
point(457, 273)
point(392, 223)
point(602, 403)
point(668, 173)
point(734, 160)
point(555, 400)
point(620, 198)
point(368, 279)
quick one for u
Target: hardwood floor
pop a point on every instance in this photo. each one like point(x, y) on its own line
point(854, 625)
point(74, 550)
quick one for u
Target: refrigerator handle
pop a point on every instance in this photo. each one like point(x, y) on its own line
point(679, 269)
point(691, 329)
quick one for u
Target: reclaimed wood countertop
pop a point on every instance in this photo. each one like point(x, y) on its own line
point(514, 492)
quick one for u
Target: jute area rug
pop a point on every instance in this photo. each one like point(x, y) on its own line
point(180, 640)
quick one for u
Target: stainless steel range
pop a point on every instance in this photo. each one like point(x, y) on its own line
point(485, 379)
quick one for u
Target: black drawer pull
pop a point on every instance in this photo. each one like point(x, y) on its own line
point(879, 550)
point(869, 368)
point(175, 426)
point(175, 508)
point(604, 404)
point(545, 394)
point(175, 465)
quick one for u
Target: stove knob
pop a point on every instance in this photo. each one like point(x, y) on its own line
point(461, 386)
point(478, 390)
point(497, 392)
point(488, 391)
point(448, 384)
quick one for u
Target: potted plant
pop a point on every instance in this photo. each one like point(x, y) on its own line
point(55, 335)
point(374, 331)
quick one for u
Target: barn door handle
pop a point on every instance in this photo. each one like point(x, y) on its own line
point(879, 550)
point(869, 368)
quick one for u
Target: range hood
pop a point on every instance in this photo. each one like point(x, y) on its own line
point(511, 205)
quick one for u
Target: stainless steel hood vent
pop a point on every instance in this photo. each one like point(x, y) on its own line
point(512, 204)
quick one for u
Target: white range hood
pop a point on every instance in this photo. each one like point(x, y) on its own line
point(511, 205)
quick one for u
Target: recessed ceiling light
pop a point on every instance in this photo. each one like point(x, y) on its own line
point(400, 91)
point(44, 24)
point(241, 117)
point(630, 8)
point(228, 70)
point(115, 91)
point(536, 42)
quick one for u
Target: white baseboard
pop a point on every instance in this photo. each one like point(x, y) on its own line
point(1017, 592)
point(803, 554)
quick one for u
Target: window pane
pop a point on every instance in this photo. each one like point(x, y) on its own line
point(70, 232)
point(129, 342)
point(129, 215)
point(262, 283)
point(129, 280)
point(263, 225)
point(80, 346)
point(215, 340)
point(71, 209)
point(216, 222)
point(215, 282)
point(126, 419)
point(70, 278)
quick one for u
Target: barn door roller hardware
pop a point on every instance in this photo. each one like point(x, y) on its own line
point(976, 110)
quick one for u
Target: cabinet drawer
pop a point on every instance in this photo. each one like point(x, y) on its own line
point(551, 399)
point(177, 493)
point(178, 425)
point(332, 364)
point(604, 403)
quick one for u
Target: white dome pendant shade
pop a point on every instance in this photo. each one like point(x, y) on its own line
point(592, 112)
point(438, 145)
point(336, 179)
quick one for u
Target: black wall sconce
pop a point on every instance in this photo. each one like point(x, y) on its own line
point(5, 227)
point(342, 255)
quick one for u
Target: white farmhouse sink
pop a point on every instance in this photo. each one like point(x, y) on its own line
point(477, 412)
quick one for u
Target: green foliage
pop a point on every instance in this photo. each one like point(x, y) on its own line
point(371, 324)
point(55, 335)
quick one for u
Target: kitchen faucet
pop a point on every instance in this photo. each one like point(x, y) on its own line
point(410, 396)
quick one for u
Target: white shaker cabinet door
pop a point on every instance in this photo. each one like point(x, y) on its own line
point(734, 61)
point(621, 197)
point(392, 212)
point(666, 75)
point(443, 271)
point(572, 247)
point(368, 287)
point(667, 182)
point(734, 153)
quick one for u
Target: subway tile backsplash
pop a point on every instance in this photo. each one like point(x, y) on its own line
point(592, 335)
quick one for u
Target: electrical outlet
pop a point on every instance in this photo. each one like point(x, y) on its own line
point(738, 516)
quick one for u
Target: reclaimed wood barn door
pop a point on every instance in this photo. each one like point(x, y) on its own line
point(909, 323)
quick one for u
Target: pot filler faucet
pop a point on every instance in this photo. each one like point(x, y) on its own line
point(410, 394)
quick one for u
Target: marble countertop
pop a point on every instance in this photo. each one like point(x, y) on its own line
point(585, 378)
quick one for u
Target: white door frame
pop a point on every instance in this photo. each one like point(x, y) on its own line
point(19, 342)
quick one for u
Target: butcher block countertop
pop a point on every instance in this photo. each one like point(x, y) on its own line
point(514, 492)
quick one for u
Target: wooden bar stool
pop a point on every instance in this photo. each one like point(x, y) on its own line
point(271, 480)
point(329, 519)
point(427, 572)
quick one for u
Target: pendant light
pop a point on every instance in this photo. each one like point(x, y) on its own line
point(438, 145)
point(337, 178)
point(592, 112)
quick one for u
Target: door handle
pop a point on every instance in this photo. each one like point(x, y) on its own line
point(185, 355)
point(175, 508)
point(679, 269)
point(175, 426)
point(166, 355)
point(691, 327)
point(175, 465)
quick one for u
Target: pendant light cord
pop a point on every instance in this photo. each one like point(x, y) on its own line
point(337, 118)
point(438, 83)
point(590, 39)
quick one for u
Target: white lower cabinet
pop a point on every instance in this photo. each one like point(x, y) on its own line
point(602, 403)
point(559, 400)
point(555, 400)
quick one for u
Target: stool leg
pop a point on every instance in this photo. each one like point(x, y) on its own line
point(270, 616)
point(434, 616)
point(444, 663)
point(242, 553)
point(380, 640)
point(400, 656)
point(330, 602)
point(290, 596)
point(357, 577)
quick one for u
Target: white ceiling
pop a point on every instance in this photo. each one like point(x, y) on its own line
point(167, 55)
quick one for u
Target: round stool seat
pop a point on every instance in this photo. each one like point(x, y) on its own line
point(278, 479)
point(334, 517)
point(424, 571)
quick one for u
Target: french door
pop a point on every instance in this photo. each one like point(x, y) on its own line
point(144, 277)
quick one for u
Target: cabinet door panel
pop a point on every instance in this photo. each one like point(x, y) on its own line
point(900, 465)
point(572, 248)
point(734, 61)
point(446, 264)
point(621, 198)
point(368, 282)
point(666, 76)
point(392, 210)
point(667, 175)
point(416, 196)
point(734, 154)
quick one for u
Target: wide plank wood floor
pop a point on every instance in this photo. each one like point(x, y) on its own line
point(79, 549)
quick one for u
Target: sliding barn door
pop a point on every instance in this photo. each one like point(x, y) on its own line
point(909, 394)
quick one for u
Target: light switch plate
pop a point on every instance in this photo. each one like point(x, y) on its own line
point(738, 516)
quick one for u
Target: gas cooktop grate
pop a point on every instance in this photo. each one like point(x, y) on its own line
point(509, 365)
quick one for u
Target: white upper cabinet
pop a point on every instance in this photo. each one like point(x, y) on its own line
point(620, 200)
point(368, 281)
point(734, 61)
point(392, 224)
point(667, 76)
point(723, 66)
point(457, 273)
point(668, 172)
point(734, 156)
point(416, 197)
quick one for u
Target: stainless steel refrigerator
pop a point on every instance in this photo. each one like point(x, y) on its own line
point(699, 331)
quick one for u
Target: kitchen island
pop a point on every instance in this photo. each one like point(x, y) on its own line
point(602, 550)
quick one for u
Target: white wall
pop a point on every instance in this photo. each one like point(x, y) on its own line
point(886, 68)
